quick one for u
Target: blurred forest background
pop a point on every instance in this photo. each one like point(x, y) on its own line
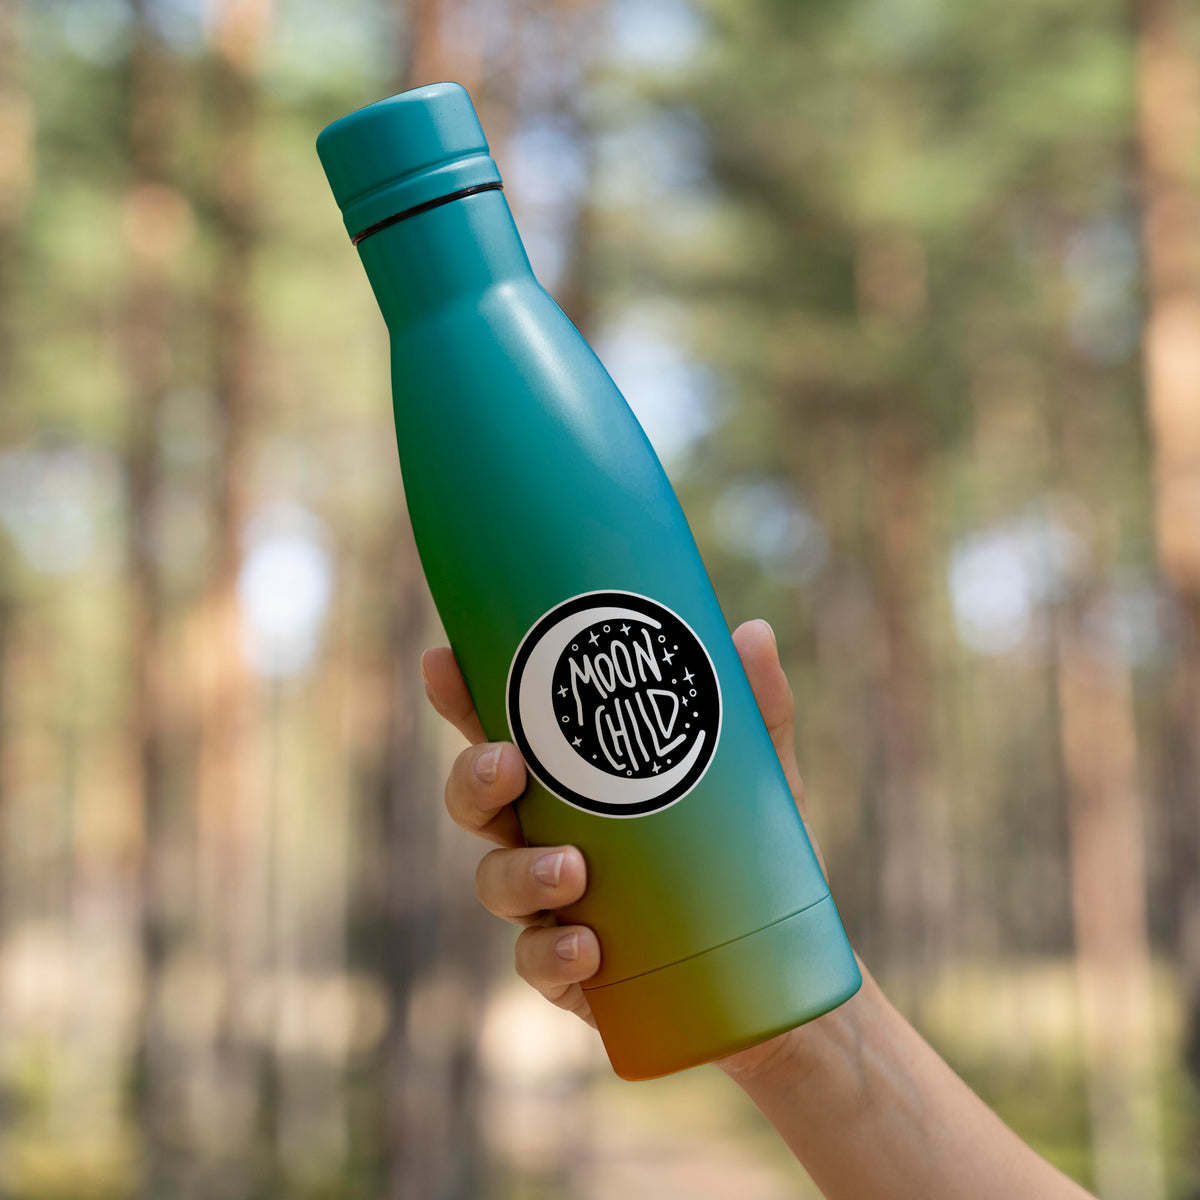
point(907, 295)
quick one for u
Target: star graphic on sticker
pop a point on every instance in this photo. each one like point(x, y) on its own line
point(579, 742)
point(562, 691)
point(594, 638)
point(668, 656)
point(688, 676)
point(624, 628)
point(655, 768)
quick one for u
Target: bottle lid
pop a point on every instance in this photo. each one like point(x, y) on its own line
point(411, 150)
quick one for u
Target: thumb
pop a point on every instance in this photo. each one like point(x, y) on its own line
point(759, 652)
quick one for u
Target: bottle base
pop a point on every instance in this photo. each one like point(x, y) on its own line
point(728, 998)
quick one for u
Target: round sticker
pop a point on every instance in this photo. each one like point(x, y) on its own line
point(614, 703)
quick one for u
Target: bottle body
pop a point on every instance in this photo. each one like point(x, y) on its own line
point(546, 527)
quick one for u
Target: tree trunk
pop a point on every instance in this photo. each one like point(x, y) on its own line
point(916, 870)
point(419, 1135)
point(231, 793)
point(154, 218)
point(1108, 888)
point(1105, 807)
point(1169, 134)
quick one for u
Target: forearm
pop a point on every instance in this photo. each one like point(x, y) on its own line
point(873, 1113)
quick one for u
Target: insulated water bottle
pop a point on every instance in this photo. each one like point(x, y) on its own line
point(580, 612)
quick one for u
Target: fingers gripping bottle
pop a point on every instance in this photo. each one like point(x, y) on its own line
point(580, 612)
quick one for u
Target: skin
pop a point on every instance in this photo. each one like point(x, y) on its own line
point(865, 1104)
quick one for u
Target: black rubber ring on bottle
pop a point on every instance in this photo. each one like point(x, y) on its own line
point(420, 208)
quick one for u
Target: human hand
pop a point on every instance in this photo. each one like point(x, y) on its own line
point(866, 1105)
point(526, 884)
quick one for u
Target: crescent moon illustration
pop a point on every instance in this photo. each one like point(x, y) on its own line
point(550, 757)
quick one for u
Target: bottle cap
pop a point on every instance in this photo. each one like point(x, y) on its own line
point(412, 149)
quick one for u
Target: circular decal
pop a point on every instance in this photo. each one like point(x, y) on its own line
point(614, 703)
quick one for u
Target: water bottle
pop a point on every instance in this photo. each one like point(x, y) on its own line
point(580, 612)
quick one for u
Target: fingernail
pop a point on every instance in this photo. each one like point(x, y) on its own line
point(567, 947)
point(548, 868)
point(424, 672)
point(487, 764)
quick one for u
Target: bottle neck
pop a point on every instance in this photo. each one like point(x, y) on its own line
point(424, 261)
